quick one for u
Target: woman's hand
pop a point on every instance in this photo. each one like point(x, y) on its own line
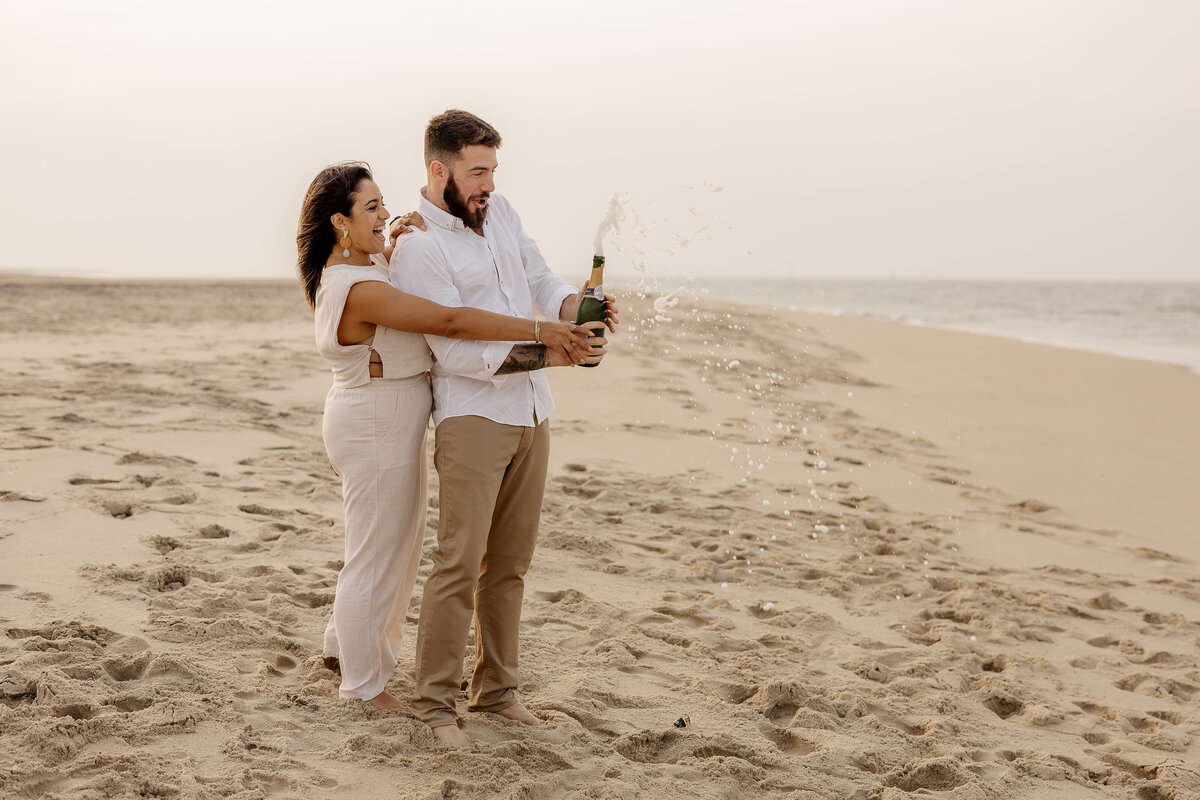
point(405, 223)
point(573, 342)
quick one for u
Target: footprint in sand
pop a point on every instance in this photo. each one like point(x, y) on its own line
point(119, 509)
point(787, 741)
point(14, 497)
point(691, 616)
point(935, 774)
point(673, 747)
point(164, 544)
point(179, 499)
point(1154, 732)
point(1150, 685)
point(168, 579)
point(271, 665)
point(1003, 705)
point(1097, 710)
point(74, 689)
point(138, 457)
point(581, 490)
point(81, 480)
point(215, 531)
point(262, 511)
point(778, 700)
point(127, 667)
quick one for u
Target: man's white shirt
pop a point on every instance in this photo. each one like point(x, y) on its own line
point(502, 271)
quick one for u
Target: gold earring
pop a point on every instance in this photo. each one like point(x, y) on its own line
point(345, 244)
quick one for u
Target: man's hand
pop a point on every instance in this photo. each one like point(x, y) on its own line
point(530, 357)
point(610, 313)
point(570, 307)
point(598, 351)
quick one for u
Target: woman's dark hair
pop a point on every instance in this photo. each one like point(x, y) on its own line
point(331, 192)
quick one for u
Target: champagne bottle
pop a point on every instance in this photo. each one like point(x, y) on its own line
point(591, 306)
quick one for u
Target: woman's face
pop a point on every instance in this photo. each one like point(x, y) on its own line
point(367, 224)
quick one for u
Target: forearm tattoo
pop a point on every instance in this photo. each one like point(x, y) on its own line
point(525, 358)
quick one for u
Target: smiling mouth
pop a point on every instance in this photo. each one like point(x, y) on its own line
point(378, 233)
point(480, 200)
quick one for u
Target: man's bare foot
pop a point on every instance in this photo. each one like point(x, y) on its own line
point(451, 736)
point(520, 714)
point(385, 702)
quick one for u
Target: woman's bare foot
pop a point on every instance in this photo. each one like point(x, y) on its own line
point(385, 702)
point(520, 714)
point(451, 736)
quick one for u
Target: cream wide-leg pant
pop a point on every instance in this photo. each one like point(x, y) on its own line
point(375, 437)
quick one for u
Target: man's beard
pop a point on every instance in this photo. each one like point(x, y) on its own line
point(453, 199)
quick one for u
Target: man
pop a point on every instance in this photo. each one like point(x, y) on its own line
point(491, 404)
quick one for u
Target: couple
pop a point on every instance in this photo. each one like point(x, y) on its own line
point(470, 279)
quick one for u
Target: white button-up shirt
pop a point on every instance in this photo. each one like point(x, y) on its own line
point(500, 271)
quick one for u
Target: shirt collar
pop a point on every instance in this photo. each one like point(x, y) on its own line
point(436, 216)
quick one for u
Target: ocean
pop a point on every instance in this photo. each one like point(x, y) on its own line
point(1150, 321)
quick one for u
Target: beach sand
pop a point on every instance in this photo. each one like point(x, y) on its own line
point(864, 560)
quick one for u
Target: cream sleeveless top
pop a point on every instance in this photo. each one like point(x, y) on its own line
point(403, 354)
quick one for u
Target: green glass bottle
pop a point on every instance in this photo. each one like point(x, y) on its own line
point(591, 306)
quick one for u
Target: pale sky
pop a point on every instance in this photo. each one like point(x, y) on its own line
point(803, 138)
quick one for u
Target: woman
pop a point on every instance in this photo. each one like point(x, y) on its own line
point(378, 409)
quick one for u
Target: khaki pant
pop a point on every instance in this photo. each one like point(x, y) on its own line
point(492, 480)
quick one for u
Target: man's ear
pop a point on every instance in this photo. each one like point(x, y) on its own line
point(439, 170)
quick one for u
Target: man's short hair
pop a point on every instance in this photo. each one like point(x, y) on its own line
point(449, 132)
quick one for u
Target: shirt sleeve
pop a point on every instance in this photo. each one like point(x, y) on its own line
point(547, 289)
point(420, 267)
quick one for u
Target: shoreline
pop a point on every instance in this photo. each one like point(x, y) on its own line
point(1189, 361)
point(992, 313)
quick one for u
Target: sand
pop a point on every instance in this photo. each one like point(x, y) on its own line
point(864, 560)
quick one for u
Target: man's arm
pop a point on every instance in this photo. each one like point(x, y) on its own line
point(528, 357)
point(552, 296)
point(525, 358)
point(547, 289)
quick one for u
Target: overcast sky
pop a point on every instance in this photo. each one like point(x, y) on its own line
point(804, 138)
